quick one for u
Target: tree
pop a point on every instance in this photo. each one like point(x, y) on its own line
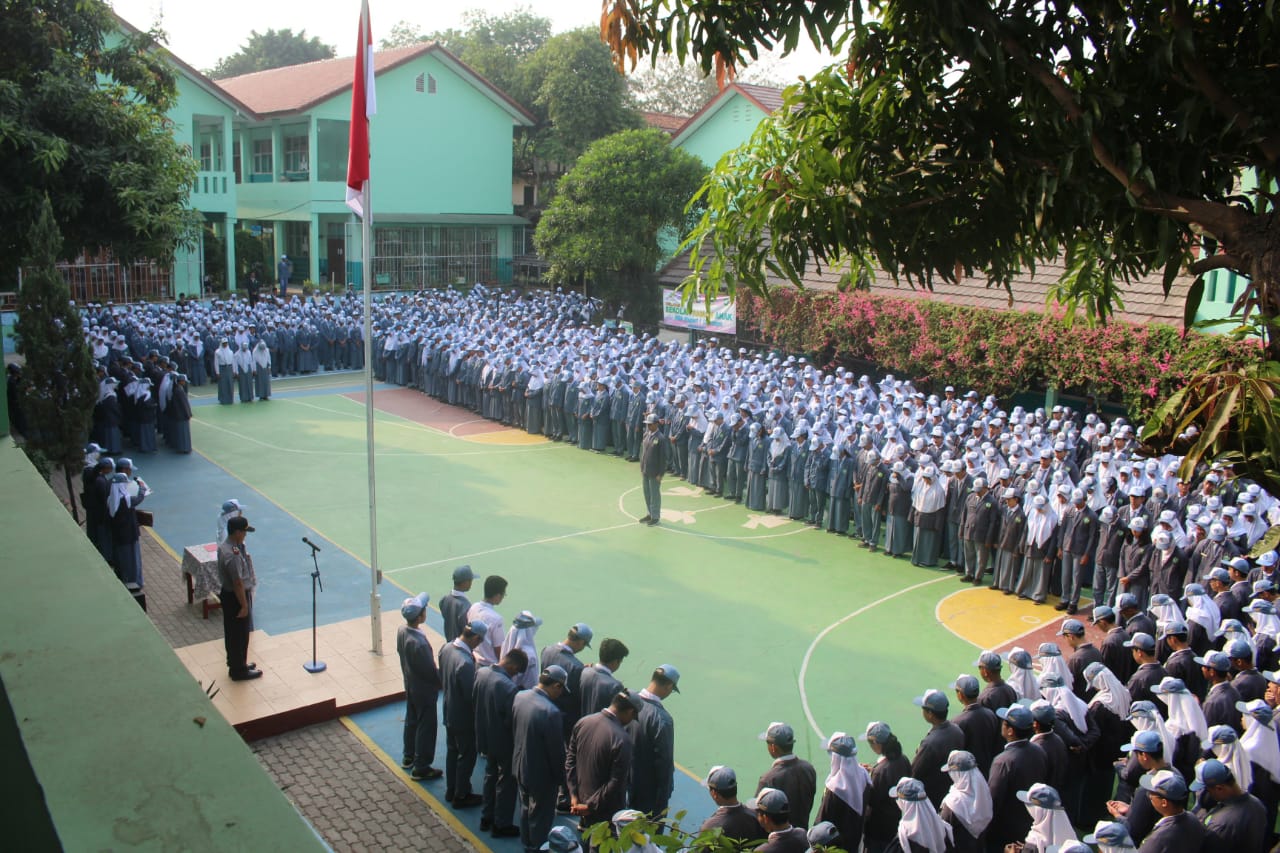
point(59, 383)
point(272, 49)
point(604, 223)
point(84, 126)
point(668, 87)
point(577, 96)
point(985, 136)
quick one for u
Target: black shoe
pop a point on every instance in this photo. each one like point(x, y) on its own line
point(470, 801)
point(564, 807)
point(1061, 605)
point(428, 773)
point(247, 675)
point(486, 824)
point(652, 522)
point(1072, 610)
point(406, 762)
point(645, 520)
point(507, 832)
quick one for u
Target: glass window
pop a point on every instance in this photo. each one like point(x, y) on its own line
point(297, 157)
point(331, 149)
point(262, 164)
point(206, 155)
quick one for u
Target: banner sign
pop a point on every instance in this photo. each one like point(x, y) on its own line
point(722, 317)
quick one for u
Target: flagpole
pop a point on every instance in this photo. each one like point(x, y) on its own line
point(366, 267)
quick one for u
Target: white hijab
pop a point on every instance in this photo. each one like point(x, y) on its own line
point(1260, 742)
point(1041, 523)
point(1111, 693)
point(522, 639)
point(969, 799)
point(1234, 756)
point(1204, 610)
point(1049, 827)
point(848, 779)
point(920, 823)
point(1185, 715)
point(1024, 682)
point(1058, 666)
point(1063, 699)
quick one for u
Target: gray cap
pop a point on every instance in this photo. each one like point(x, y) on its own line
point(670, 673)
point(771, 801)
point(412, 608)
point(462, 574)
point(1073, 627)
point(556, 673)
point(1043, 712)
point(582, 631)
point(908, 789)
point(779, 733)
point(877, 732)
point(1112, 834)
point(1239, 650)
point(933, 700)
point(1215, 660)
point(990, 661)
point(959, 759)
point(722, 778)
point(1102, 612)
point(1146, 741)
point(477, 627)
point(843, 745)
point(1210, 773)
point(966, 685)
point(1143, 641)
point(1042, 795)
point(1018, 716)
point(823, 834)
point(1165, 783)
point(561, 839)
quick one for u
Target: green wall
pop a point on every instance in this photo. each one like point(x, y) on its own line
point(726, 126)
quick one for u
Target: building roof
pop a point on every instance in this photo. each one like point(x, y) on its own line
point(767, 98)
point(298, 88)
point(199, 78)
point(664, 121)
point(1144, 299)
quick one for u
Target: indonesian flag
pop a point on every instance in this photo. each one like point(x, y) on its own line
point(364, 103)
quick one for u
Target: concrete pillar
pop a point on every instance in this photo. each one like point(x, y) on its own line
point(230, 242)
point(314, 242)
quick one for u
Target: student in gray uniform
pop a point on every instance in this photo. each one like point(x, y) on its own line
point(454, 606)
point(538, 759)
point(773, 811)
point(731, 817)
point(599, 758)
point(654, 739)
point(789, 773)
point(495, 694)
point(421, 690)
point(597, 684)
point(1234, 819)
point(458, 674)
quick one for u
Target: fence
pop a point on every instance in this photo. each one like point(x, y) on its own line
point(121, 283)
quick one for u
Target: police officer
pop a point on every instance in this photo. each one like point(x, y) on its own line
point(235, 569)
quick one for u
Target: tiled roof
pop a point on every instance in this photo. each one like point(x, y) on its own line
point(1144, 300)
point(296, 88)
point(768, 97)
point(664, 121)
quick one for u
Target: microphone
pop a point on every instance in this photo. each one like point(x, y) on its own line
point(312, 544)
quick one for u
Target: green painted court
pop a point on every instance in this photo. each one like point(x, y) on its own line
point(765, 618)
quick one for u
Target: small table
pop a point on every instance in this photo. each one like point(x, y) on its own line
point(200, 570)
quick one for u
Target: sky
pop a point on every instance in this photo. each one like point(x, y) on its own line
point(202, 33)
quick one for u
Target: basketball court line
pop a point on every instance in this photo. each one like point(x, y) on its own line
point(1047, 623)
point(808, 655)
point(511, 547)
point(672, 529)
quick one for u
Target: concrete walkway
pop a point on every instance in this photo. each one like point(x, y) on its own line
point(348, 795)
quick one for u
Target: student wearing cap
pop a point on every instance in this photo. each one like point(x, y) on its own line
point(843, 802)
point(1041, 546)
point(1135, 561)
point(1148, 672)
point(1109, 715)
point(565, 653)
point(1019, 765)
point(978, 723)
point(1011, 544)
point(1249, 683)
point(495, 590)
point(1106, 555)
point(967, 806)
point(1220, 585)
point(561, 839)
point(421, 689)
point(1147, 754)
point(1133, 617)
point(454, 606)
point(1181, 662)
point(773, 811)
point(731, 817)
point(1234, 820)
point(522, 635)
point(1050, 826)
point(1185, 722)
point(1111, 837)
point(1260, 744)
point(1203, 618)
point(997, 693)
point(235, 571)
point(654, 744)
point(653, 465)
point(598, 760)
point(1221, 696)
point(1083, 653)
point(978, 529)
point(921, 829)
point(1177, 830)
point(494, 696)
point(880, 821)
point(789, 773)
point(1118, 658)
point(458, 674)
point(597, 682)
point(1077, 540)
point(942, 737)
point(538, 759)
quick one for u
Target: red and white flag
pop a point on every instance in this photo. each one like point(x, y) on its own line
point(364, 103)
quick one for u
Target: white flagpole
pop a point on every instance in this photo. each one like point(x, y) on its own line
point(366, 267)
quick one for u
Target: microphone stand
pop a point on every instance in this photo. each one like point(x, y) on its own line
point(313, 665)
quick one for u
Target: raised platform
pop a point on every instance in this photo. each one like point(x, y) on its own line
point(288, 697)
